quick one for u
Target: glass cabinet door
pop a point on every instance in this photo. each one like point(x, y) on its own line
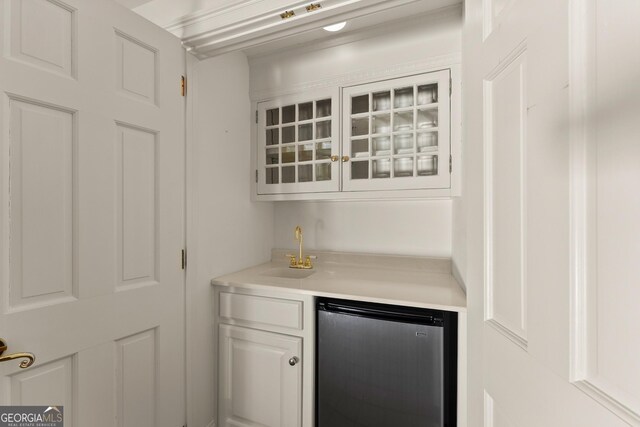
point(396, 134)
point(298, 144)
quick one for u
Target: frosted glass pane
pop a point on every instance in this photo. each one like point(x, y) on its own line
point(323, 172)
point(360, 147)
point(305, 111)
point(288, 174)
point(273, 136)
point(360, 104)
point(360, 170)
point(323, 108)
point(403, 97)
point(427, 165)
point(360, 126)
point(381, 168)
point(289, 114)
point(273, 117)
point(273, 156)
point(427, 94)
point(305, 173)
point(403, 167)
point(271, 176)
point(305, 132)
point(323, 150)
point(288, 134)
point(381, 101)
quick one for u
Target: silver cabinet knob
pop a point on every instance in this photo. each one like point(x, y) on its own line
point(293, 361)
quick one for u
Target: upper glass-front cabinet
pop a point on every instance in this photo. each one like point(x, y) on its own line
point(396, 134)
point(392, 134)
point(298, 144)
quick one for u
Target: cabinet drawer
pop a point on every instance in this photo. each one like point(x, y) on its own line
point(260, 310)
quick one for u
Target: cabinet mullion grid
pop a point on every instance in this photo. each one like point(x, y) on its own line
point(277, 146)
point(369, 138)
point(314, 116)
point(415, 130)
point(392, 136)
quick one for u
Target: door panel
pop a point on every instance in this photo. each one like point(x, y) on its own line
point(41, 163)
point(91, 212)
point(504, 201)
point(559, 169)
point(258, 387)
point(606, 207)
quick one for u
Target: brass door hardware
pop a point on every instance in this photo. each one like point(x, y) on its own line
point(30, 358)
point(287, 14)
point(313, 7)
point(334, 158)
point(345, 158)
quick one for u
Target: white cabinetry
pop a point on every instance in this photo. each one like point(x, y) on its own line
point(299, 144)
point(265, 354)
point(364, 139)
point(396, 134)
point(260, 378)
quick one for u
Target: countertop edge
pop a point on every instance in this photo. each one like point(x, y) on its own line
point(258, 286)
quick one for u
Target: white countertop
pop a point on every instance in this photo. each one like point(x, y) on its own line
point(399, 280)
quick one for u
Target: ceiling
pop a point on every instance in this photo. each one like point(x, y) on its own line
point(172, 14)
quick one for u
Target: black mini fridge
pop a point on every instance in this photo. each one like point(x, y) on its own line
point(380, 365)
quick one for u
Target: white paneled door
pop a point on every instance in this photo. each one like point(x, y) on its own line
point(91, 213)
point(553, 164)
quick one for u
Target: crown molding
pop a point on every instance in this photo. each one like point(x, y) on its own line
point(253, 22)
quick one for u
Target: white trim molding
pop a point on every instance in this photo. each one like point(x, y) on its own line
point(252, 22)
point(584, 308)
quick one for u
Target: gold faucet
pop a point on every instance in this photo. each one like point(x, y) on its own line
point(300, 262)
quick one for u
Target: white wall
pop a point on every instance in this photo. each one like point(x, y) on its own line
point(382, 48)
point(397, 227)
point(227, 232)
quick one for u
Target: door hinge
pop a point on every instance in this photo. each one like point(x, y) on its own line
point(450, 86)
point(450, 163)
point(256, 176)
point(184, 259)
point(183, 85)
point(256, 116)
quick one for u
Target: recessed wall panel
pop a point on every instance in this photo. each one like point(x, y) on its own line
point(136, 380)
point(34, 18)
point(137, 200)
point(505, 109)
point(41, 196)
point(49, 384)
point(136, 68)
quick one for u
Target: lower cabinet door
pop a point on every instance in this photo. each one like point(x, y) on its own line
point(260, 378)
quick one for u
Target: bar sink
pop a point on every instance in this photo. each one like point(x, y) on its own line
point(288, 273)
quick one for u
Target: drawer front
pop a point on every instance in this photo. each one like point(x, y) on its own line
point(261, 311)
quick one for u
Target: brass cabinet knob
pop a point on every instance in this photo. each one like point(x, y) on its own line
point(345, 158)
point(334, 158)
